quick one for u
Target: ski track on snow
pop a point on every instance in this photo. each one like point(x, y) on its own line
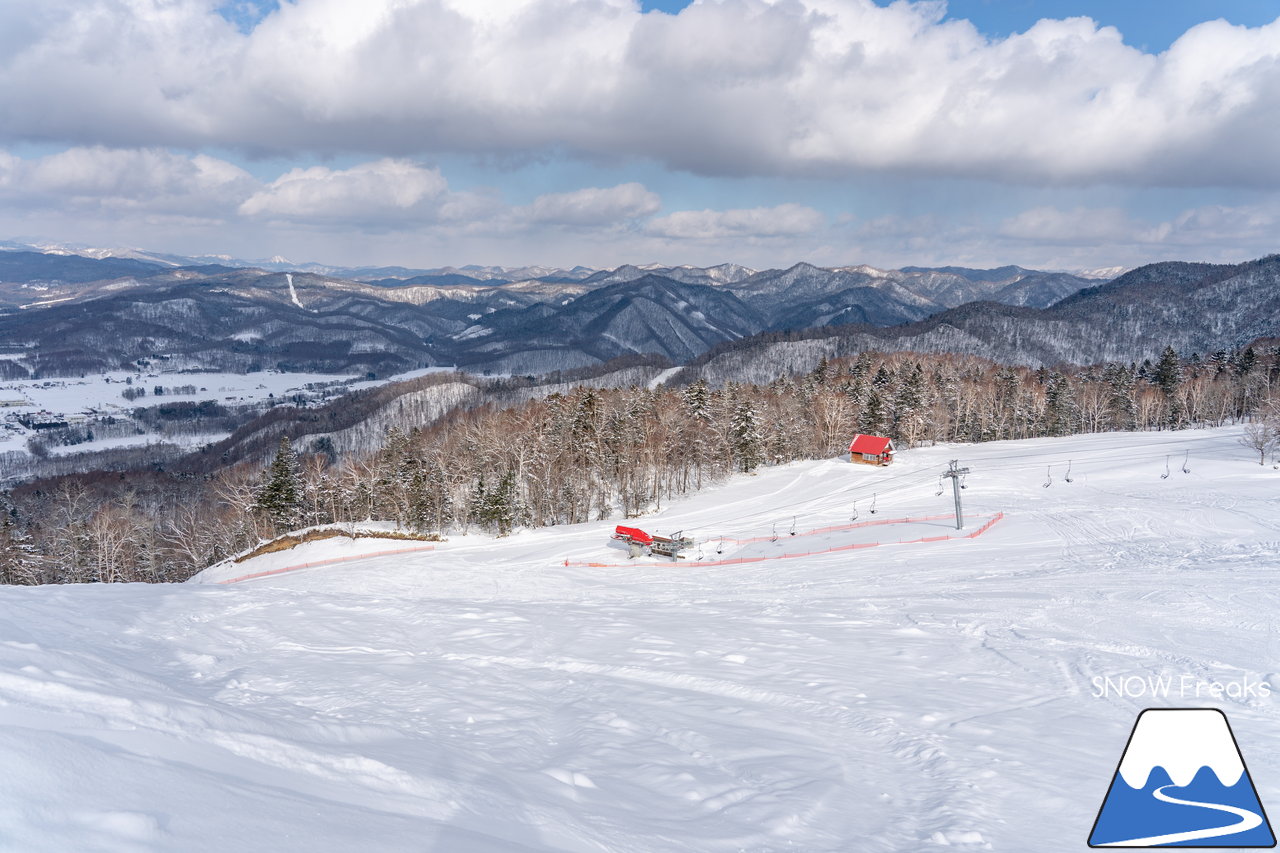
point(484, 697)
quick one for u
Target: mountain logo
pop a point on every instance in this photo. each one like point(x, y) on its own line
point(1181, 782)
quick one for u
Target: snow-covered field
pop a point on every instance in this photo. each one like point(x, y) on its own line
point(101, 393)
point(485, 696)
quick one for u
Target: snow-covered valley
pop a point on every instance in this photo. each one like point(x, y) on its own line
point(501, 694)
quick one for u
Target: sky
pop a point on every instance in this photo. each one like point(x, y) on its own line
point(1056, 134)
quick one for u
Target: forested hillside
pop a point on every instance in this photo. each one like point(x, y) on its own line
point(586, 453)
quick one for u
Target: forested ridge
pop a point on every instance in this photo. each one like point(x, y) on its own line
point(596, 453)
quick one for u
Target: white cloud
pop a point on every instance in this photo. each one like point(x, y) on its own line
point(785, 220)
point(9, 164)
point(772, 87)
point(594, 206)
point(145, 180)
point(1077, 226)
point(368, 192)
point(1219, 230)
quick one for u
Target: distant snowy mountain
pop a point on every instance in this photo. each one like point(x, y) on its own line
point(95, 309)
point(1196, 308)
point(1103, 272)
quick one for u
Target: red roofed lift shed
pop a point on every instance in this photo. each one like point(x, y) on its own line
point(871, 450)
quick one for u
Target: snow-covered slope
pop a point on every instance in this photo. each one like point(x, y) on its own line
point(933, 695)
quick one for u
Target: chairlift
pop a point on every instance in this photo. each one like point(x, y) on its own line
point(962, 479)
point(720, 546)
point(1048, 478)
point(1186, 458)
point(854, 517)
point(793, 525)
point(938, 493)
point(1165, 475)
point(774, 537)
point(873, 503)
point(1068, 476)
point(699, 552)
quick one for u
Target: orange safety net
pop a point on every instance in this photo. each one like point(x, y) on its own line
point(739, 560)
point(328, 562)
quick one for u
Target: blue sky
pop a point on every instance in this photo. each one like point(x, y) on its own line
point(1149, 24)
point(1060, 134)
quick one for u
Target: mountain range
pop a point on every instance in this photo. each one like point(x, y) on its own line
point(68, 313)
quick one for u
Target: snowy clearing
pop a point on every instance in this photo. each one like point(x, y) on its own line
point(137, 441)
point(101, 394)
point(484, 696)
point(103, 391)
point(657, 381)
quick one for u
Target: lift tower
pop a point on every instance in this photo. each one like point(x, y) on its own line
point(955, 473)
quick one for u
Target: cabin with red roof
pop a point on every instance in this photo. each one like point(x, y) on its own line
point(871, 450)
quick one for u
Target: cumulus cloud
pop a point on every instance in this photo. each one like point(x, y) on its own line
point(1078, 225)
point(367, 192)
point(593, 206)
point(785, 220)
point(9, 165)
point(768, 87)
point(146, 180)
point(1240, 230)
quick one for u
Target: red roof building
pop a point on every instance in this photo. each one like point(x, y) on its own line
point(871, 450)
point(632, 534)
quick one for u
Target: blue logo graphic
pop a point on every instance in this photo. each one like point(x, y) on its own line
point(1182, 782)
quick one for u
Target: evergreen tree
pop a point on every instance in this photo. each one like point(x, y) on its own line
point(1122, 408)
point(1060, 406)
point(872, 419)
point(1248, 359)
point(280, 496)
point(748, 443)
point(1195, 363)
point(503, 510)
point(820, 372)
point(696, 397)
point(1168, 371)
point(908, 406)
point(498, 508)
point(861, 367)
point(19, 561)
point(478, 504)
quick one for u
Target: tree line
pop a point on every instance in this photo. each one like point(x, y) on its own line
point(598, 453)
